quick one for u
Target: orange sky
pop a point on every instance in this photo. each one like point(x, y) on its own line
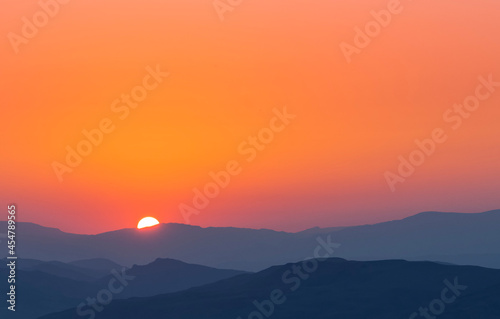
point(326, 168)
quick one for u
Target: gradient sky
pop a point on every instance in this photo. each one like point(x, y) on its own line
point(326, 168)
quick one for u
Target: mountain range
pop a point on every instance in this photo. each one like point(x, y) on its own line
point(467, 239)
point(332, 288)
point(45, 287)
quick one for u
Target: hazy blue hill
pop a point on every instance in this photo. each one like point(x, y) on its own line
point(66, 270)
point(39, 293)
point(96, 264)
point(45, 287)
point(337, 289)
point(168, 275)
point(229, 248)
point(471, 239)
point(442, 235)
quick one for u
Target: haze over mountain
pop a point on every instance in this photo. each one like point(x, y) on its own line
point(145, 146)
point(84, 270)
point(447, 237)
point(46, 287)
point(335, 288)
point(100, 264)
point(40, 293)
point(168, 275)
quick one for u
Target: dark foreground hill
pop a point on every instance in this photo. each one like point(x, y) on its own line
point(334, 288)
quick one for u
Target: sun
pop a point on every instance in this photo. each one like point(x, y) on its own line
point(147, 222)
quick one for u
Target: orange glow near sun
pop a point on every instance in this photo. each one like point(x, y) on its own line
point(147, 222)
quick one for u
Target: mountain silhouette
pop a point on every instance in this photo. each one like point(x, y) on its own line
point(168, 275)
point(336, 288)
point(41, 290)
point(468, 239)
point(79, 271)
point(96, 264)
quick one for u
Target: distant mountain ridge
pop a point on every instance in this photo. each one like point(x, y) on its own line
point(447, 237)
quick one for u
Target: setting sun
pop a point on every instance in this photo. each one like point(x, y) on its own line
point(147, 222)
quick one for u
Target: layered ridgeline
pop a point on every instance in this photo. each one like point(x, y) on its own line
point(469, 239)
point(46, 287)
point(332, 288)
point(80, 270)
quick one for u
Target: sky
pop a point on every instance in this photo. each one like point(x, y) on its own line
point(360, 82)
